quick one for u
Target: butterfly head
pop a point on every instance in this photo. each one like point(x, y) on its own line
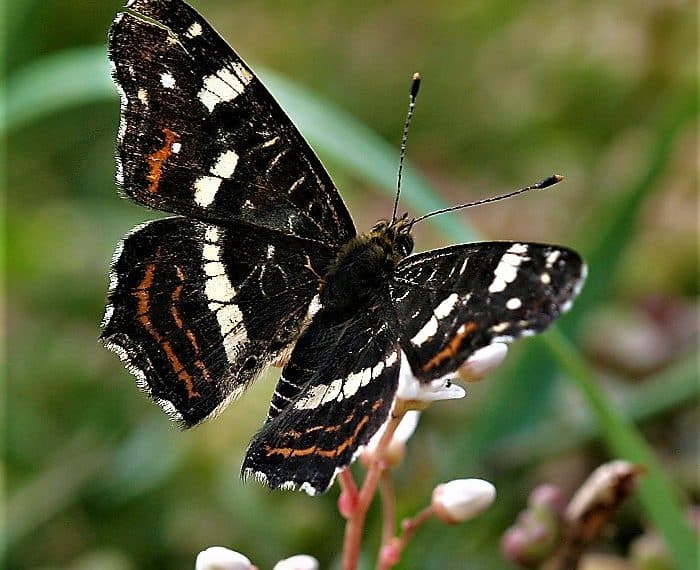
point(396, 235)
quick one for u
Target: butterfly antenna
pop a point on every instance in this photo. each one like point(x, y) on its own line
point(415, 85)
point(546, 183)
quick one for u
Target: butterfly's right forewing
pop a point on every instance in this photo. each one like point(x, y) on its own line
point(454, 301)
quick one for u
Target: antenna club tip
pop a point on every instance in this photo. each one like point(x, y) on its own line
point(550, 181)
point(415, 85)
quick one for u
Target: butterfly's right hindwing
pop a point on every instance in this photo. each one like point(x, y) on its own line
point(334, 394)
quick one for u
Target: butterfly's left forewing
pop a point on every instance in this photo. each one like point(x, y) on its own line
point(454, 301)
point(201, 136)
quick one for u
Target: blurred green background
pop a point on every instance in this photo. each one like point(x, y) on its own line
point(602, 92)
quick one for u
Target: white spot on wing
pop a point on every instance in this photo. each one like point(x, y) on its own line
point(507, 269)
point(513, 303)
point(167, 80)
point(175, 148)
point(225, 164)
point(218, 288)
point(552, 258)
point(205, 189)
point(446, 307)
point(212, 268)
point(224, 85)
point(194, 30)
point(425, 333)
point(142, 96)
point(464, 265)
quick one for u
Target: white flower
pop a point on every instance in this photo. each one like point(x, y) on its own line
point(298, 562)
point(483, 361)
point(220, 558)
point(462, 499)
point(413, 390)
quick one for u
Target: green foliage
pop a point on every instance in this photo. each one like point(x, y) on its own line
point(604, 93)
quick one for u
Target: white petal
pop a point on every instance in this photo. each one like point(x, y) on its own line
point(403, 432)
point(484, 360)
point(462, 499)
point(298, 562)
point(220, 558)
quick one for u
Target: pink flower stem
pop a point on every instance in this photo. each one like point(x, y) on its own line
point(347, 482)
point(386, 492)
point(356, 523)
point(399, 543)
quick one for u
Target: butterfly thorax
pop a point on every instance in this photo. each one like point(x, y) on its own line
point(363, 266)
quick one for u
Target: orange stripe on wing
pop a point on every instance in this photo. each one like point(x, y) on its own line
point(143, 300)
point(156, 159)
point(450, 351)
point(315, 450)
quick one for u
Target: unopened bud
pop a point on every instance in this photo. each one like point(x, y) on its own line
point(298, 562)
point(220, 558)
point(462, 499)
point(534, 536)
point(549, 497)
point(483, 362)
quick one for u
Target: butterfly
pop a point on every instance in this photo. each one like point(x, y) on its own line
point(261, 263)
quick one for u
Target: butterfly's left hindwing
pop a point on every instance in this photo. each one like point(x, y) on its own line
point(454, 301)
point(334, 394)
point(198, 311)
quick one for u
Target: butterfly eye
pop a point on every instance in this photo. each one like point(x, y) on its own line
point(403, 244)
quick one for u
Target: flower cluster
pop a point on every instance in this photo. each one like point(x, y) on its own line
point(452, 502)
point(220, 558)
point(555, 534)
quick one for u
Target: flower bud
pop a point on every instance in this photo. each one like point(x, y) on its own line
point(298, 562)
point(220, 558)
point(548, 497)
point(462, 499)
point(483, 362)
point(536, 533)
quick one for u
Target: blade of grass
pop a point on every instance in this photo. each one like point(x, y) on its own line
point(657, 492)
point(665, 391)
